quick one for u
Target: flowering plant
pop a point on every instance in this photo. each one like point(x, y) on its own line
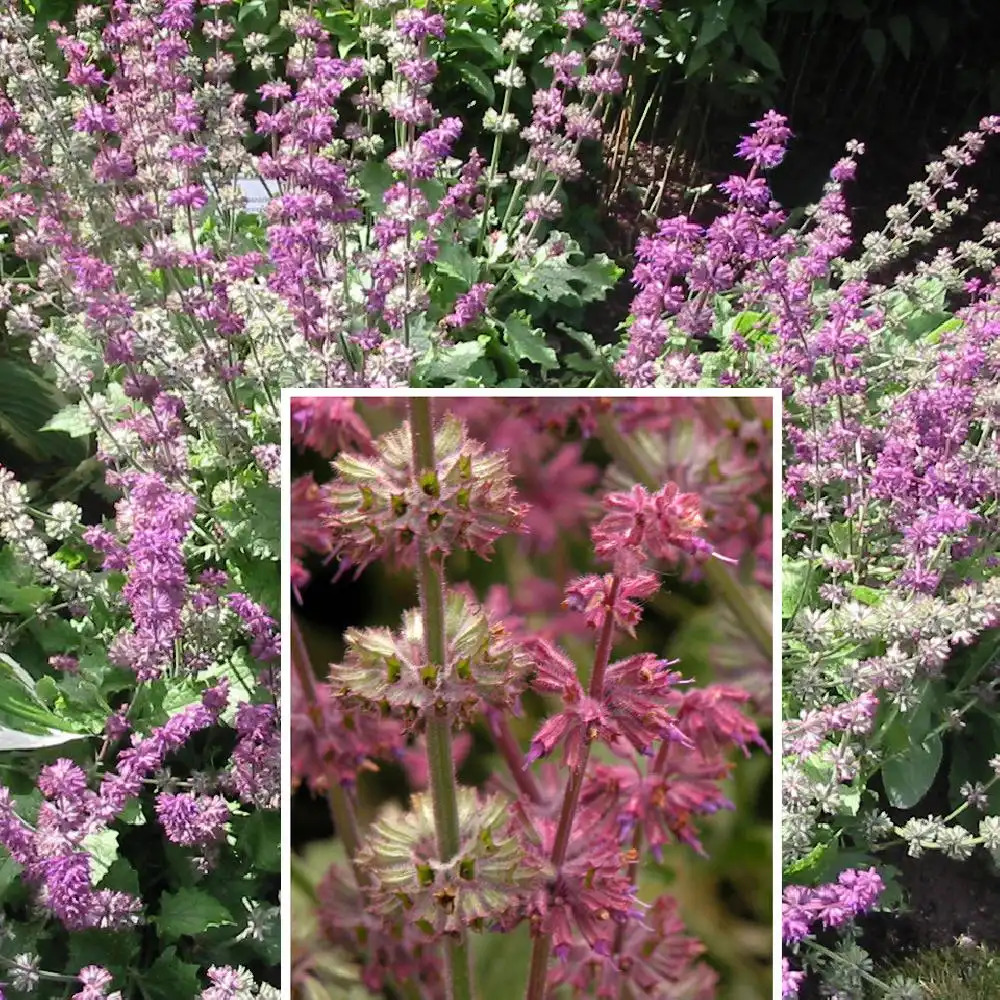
point(595, 773)
point(139, 720)
point(890, 597)
point(386, 246)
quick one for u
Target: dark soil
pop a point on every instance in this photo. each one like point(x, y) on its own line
point(946, 900)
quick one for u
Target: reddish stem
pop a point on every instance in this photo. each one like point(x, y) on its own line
point(543, 943)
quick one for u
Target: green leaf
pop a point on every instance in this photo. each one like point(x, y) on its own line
point(901, 29)
point(375, 178)
point(449, 364)
point(913, 749)
point(713, 25)
point(103, 850)
point(866, 595)
point(14, 739)
point(80, 703)
point(801, 871)
point(948, 326)
point(74, 420)
point(121, 876)
point(47, 690)
point(117, 951)
point(250, 8)
point(10, 871)
point(760, 50)
point(23, 600)
point(455, 260)
point(169, 978)
point(258, 838)
point(936, 27)
point(27, 405)
point(799, 585)
point(478, 81)
point(553, 277)
point(971, 750)
point(265, 519)
point(463, 38)
point(874, 42)
point(850, 801)
point(853, 10)
point(528, 342)
point(908, 777)
point(20, 709)
point(190, 911)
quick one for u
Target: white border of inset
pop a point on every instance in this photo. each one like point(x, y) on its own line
point(286, 612)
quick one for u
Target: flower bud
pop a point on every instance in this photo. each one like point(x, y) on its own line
point(386, 668)
point(379, 507)
point(478, 885)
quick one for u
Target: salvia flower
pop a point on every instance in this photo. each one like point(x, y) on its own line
point(854, 892)
point(396, 950)
point(656, 959)
point(635, 708)
point(640, 526)
point(594, 595)
point(590, 894)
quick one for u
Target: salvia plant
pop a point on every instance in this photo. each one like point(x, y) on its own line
point(888, 362)
point(385, 245)
point(604, 754)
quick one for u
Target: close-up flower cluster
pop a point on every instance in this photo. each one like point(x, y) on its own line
point(515, 764)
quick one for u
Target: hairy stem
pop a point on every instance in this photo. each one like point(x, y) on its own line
point(440, 763)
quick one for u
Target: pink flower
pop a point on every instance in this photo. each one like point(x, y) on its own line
point(590, 596)
point(589, 896)
point(640, 525)
point(636, 705)
point(328, 424)
point(713, 718)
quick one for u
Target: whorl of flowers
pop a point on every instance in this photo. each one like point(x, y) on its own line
point(854, 892)
point(50, 851)
point(155, 519)
point(657, 957)
point(389, 669)
point(396, 951)
point(474, 888)
point(640, 526)
point(635, 707)
point(381, 507)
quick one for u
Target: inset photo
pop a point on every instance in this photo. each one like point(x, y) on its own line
point(529, 694)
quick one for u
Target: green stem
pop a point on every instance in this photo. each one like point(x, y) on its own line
point(744, 608)
point(440, 763)
point(814, 946)
point(494, 161)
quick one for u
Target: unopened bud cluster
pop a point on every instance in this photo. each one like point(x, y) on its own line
point(389, 670)
point(380, 507)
